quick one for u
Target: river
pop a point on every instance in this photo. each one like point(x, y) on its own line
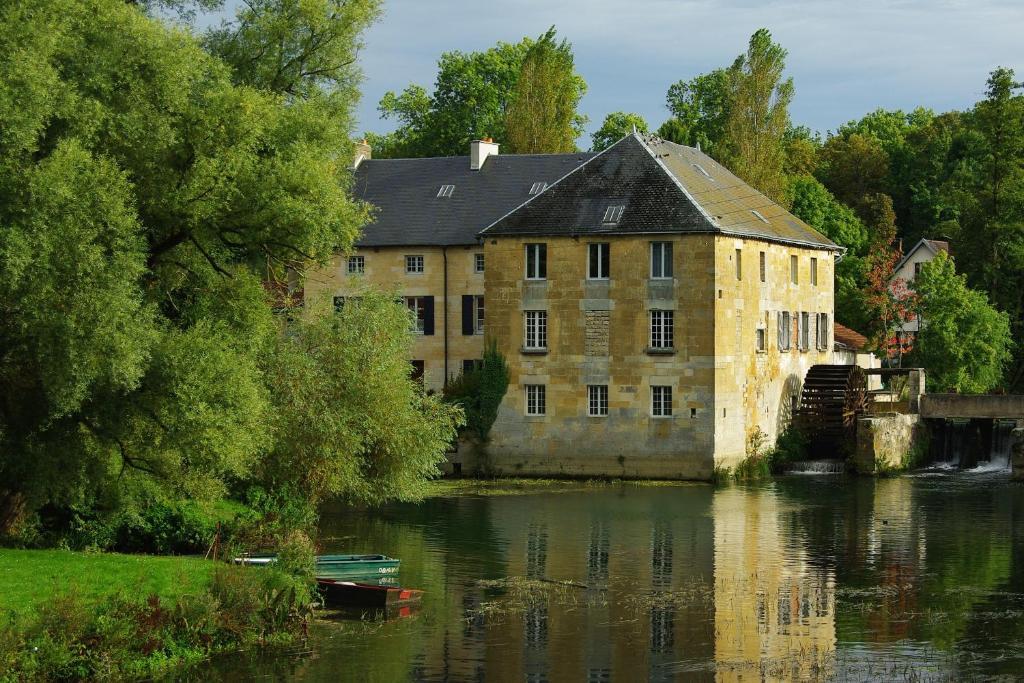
point(918, 577)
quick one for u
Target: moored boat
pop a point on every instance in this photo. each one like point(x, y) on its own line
point(352, 594)
point(338, 566)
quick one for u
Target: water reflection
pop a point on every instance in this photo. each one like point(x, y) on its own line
point(806, 578)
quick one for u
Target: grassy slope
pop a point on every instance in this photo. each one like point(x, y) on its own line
point(28, 577)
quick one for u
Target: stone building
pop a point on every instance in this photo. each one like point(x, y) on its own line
point(422, 243)
point(656, 312)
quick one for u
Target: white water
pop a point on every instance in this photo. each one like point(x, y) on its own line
point(816, 467)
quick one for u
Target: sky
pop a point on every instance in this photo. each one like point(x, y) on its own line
point(846, 57)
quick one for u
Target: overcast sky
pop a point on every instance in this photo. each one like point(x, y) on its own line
point(846, 57)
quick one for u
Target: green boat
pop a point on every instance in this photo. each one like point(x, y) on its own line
point(338, 566)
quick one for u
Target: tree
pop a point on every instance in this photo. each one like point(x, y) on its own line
point(964, 342)
point(888, 302)
point(616, 126)
point(470, 100)
point(700, 111)
point(853, 166)
point(147, 191)
point(802, 149)
point(758, 116)
point(375, 433)
point(542, 116)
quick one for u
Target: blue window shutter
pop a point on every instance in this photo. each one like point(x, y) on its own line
point(428, 315)
point(467, 314)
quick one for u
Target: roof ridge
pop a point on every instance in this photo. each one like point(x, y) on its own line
point(678, 183)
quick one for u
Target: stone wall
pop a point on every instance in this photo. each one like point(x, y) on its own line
point(1017, 454)
point(885, 442)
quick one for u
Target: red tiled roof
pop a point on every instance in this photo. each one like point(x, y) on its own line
point(847, 337)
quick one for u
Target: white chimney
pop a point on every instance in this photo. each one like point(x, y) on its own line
point(479, 150)
point(363, 152)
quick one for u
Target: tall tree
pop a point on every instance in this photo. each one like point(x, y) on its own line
point(617, 125)
point(146, 189)
point(542, 116)
point(758, 116)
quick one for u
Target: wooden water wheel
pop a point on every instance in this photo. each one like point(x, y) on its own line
point(833, 397)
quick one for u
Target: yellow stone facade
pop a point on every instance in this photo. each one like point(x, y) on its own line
point(723, 387)
point(384, 269)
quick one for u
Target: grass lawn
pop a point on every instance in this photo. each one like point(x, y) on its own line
point(28, 577)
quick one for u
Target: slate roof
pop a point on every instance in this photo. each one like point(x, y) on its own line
point(665, 188)
point(408, 212)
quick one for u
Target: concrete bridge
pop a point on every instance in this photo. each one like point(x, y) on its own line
point(976, 426)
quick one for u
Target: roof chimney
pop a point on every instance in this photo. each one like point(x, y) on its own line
point(479, 150)
point(363, 151)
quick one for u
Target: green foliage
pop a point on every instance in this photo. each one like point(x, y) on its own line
point(351, 422)
point(761, 462)
point(471, 99)
point(480, 391)
point(964, 342)
point(700, 110)
point(816, 206)
point(542, 116)
point(616, 126)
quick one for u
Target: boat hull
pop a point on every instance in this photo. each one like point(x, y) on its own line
point(351, 594)
point(339, 566)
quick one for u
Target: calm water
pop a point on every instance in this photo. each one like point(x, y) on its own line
point(816, 578)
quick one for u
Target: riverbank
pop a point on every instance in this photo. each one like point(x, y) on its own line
point(511, 486)
point(72, 615)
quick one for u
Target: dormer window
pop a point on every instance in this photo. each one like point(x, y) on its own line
point(537, 188)
point(446, 191)
point(613, 214)
point(759, 216)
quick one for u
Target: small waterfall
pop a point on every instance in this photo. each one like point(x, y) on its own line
point(816, 467)
point(976, 445)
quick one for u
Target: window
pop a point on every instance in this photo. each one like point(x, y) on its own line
point(446, 191)
point(759, 216)
point(536, 330)
point(597, 400)
point(661, 329)
point(794, 270)
point(762, 340)
point(538, 187)
point(702, 171)
point(478, 314)
point(414, 264)
point(661, 401)
point(613, 214)
point(418, 306)
point(814, 272)
point(739, 264)
point(356, 265)
point(471, 365)
point(823, 331)
point(339, 303)
point(785, 330)
point(597, 256)
point(763, 267)
point(536, 261)
point(536, 399)
point(417, 370)
point(804, 327)
point(478, 263)
point(917, 268)
point(661, 260)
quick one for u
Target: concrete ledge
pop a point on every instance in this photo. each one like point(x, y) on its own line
point(887, 443)
point(1017, 455)
point(965, 406)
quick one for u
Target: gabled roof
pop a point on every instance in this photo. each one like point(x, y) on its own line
point(408, 212)
point(664, 188)
point(934, 246)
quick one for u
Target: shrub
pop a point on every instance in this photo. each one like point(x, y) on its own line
point(480, 391)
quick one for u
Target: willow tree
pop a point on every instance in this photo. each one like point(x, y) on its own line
point(542, 116)
point(148, 187)
point(754, 147)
